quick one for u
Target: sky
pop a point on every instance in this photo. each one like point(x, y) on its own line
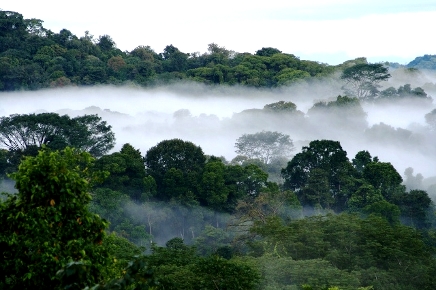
point(328, 31)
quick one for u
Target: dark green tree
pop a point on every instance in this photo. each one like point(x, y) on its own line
point(175, 165)
point(415, 206)
point(47, 225)
point(267, 51)
point(174, 60)
point(384, 177)
point(213, 190)
point(88, 133)
point(127, 172)
point(325, 155)
point(362, 159)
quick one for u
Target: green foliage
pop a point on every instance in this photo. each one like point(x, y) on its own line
point(213, 190)
point(321, 171)
point(362, 159)
point(265, 145)
point(47, 226)
point(176, 166)
point(109, 204)
point(281, 107)
point(355, 252)
point(177, 267)
point(403, 92)
point(415, 206)
point(33, 57)
point(289, 76)
point(211, 240)
point(384, 177)
point(127, 173)
point(362, 79)
point(284, 272)
point(364, 196)
point(22, 134)
point(267, 51)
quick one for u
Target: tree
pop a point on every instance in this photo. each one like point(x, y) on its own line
point(47, 225)
point(414, 207)
point(174, 59)
point(362, 159)
point(323, 154)
point(213, 190)
point(175, 164)
point(12, 30)
point(329, 160)
point(362, 79)
point(91, 134)
point(88, 133)
point(176, 266)
point(265, 145)
point(127, 171)
point(384, 177)
point(317, 190)
point(106, 43)
point(289, 76)
point(110, 205)
point(281, 107)
point(267, 51)
point(364, 196)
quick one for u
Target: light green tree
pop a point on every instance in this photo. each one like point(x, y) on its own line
point(265, 145)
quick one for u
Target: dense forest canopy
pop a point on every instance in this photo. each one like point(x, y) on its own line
point(292, 210)
point(33, 57)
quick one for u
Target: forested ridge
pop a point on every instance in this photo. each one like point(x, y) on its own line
point(33, 57)
point(277, 216)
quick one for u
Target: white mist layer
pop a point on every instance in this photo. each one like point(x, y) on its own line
point(208, 117)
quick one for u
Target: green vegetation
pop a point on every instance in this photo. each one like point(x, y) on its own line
point(176, 218)
point(46, 225)
point(334, 222)
point(32, 57)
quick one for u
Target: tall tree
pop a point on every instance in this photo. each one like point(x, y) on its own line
point(127, 172)
point(267, 51)
point(265, 145)
point(175, 164)
point(47, 225)
point(327, 156)
point(384, 177)
point(87, 133)
point(362, 80)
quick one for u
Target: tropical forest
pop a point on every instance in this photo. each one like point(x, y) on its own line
point(218, 170)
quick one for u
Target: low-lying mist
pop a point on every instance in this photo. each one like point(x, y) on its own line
point(215, 116)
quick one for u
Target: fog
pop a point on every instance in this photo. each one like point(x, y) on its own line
point(214, 117)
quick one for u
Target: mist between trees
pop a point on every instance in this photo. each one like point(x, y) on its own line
point(229, 205)
point(217, 171)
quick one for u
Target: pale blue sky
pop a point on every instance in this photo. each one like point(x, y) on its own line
point(329, 31)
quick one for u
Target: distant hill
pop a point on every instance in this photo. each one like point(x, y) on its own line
point(427, 61)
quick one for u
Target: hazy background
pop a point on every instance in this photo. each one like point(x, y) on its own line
point(211, 117)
